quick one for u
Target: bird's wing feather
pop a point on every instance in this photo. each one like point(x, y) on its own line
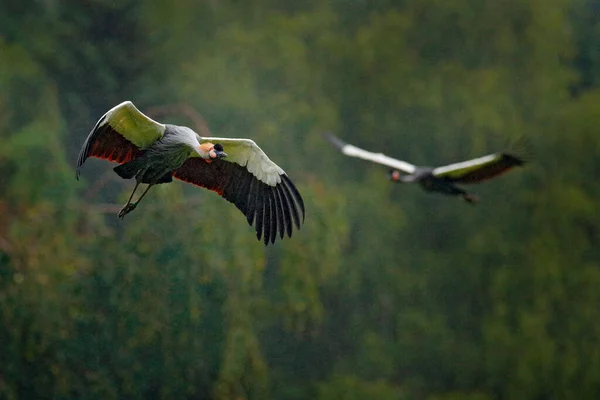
point(478, 169)
point(120, 135)
point(379, 158)
point(133, 125)
point(271, 208)
point(246, 153)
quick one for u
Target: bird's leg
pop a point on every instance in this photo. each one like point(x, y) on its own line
point(142, 196)
point(128, 207)
point(452, 190)
point(470, 198)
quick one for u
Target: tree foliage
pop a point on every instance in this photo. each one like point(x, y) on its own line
point(386, 292)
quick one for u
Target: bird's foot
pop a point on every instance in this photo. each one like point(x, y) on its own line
point(127, 208)
point(471, 198)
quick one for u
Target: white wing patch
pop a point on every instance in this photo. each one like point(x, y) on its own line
point(464, 167)
point(247, 154)
point(378, 158)
point(133, 125)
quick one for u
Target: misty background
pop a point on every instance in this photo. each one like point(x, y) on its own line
point(386, 292)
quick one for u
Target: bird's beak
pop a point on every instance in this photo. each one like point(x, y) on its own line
point(220, 154)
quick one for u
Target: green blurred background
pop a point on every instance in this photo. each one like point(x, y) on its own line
point(386, 292)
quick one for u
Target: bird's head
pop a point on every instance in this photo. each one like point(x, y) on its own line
point(210, 151)
point(395, 175)
point(216, 151)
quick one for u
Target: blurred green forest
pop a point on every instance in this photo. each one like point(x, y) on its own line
point(387, 292)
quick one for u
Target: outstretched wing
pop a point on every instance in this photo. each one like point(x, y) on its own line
point(246, 153)
point(120, 135)
point(478, 169)
point(259, 188)
point(378, 158)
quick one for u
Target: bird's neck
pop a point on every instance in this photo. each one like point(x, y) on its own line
point(173, 148)
point(407, 178)
point(178, 136)
point(204, 149)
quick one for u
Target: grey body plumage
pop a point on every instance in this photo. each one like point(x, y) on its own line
point(156, 164)
point(428, 182)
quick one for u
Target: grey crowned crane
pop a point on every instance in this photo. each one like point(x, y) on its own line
point(236, 169)
point(439, 179)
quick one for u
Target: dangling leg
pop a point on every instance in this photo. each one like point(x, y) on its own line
point(452, 190)
point(128, 207)
point(470, 198)
point(143, 194)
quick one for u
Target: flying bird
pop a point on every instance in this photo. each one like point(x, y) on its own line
point(439, 179)
point(236, 169)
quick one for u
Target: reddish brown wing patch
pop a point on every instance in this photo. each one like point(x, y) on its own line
point(188, 180)
point(503, 165)
point(106, 143)
point(111, 146)
point(211, 176)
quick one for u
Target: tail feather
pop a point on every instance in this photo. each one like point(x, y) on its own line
point(521, 149)
point(166, 178)
point(129, 169)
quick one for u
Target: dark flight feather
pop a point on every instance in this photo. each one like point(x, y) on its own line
point(255, 199)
